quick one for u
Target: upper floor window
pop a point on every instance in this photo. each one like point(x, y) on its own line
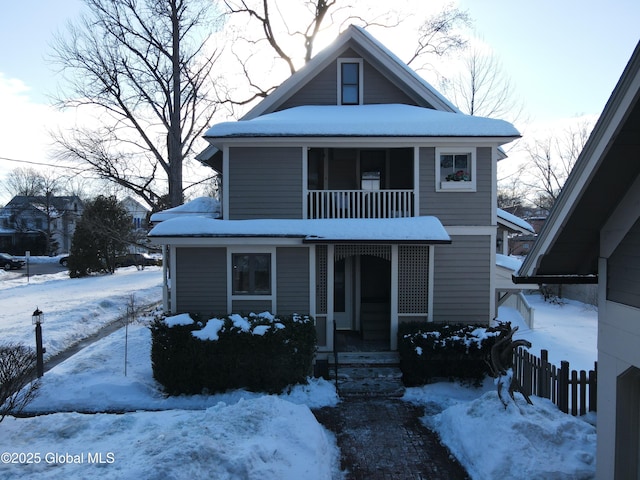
point(350, 81)
point(455, 170)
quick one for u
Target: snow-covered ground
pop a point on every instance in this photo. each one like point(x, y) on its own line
point(248, 435)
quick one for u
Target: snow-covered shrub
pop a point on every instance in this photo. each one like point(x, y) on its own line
point(258, 352)
point(433, 351)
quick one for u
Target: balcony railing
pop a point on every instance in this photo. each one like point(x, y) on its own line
point(360, 203)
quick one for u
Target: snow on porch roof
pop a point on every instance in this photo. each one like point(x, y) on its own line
point(388, 230)
point(384, 120)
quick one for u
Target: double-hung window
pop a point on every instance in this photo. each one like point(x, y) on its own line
point(349, 81)
point(455, 170)
point(251, 273)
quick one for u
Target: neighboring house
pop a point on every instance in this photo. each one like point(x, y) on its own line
point(356, 193)
point(138, 212)
point(509, 227)
point(593, 235)
point(508, 293)
point(140, 217)
point(25, 218)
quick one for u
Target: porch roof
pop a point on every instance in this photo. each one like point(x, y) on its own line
point(361, 230)
point(394, 120)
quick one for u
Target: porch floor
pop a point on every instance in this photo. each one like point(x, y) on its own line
point(352, 341)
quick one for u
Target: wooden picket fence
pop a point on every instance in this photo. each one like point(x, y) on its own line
point(573, 392)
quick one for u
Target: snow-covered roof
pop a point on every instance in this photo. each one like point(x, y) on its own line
point(201, 206)
point(381, 120)
point(509, 217)
point(412, 229)
point(507, 261)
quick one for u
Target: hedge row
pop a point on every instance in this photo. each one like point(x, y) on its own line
point(258, 353)
point(434, 351)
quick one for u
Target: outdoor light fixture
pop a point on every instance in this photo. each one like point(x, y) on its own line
point(37, 317)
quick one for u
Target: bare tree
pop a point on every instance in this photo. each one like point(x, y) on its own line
point(291, 35)
point(146, 68)
point(439, 35)
point(18, 385)
point(550, 161)
point(23, 181)
point(482, 87)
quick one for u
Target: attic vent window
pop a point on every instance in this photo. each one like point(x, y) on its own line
point(350, 81)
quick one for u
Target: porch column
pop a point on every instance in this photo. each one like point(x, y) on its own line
point(394, 299)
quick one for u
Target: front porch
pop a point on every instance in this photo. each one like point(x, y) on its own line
point(364, 291)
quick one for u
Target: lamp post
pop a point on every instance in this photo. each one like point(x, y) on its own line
point(37, 318)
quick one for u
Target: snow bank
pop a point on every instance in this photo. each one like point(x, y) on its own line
point(263, 438)
point(523, 441)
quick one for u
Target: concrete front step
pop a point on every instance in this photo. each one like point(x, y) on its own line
point(375, 374)
point(370, 380)
point(366, 358)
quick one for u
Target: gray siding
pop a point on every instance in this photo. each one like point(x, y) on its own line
point(378, 88)
point(457, 208)
point(245, 307)
point(201, 281)
point(462, 280)
point(323, 88)
point(265, 183)
point(623, 270)
point(292, 276)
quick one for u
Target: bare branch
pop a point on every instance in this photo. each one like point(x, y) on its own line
point(145, 65)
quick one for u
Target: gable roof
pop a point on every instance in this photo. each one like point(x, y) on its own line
point(376, 53)
point(395, 70)
point(605, 174)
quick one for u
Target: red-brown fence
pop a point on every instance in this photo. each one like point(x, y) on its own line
point(573, 392)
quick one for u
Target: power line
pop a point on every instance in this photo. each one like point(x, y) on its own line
point(41, 164)
point(31, 162)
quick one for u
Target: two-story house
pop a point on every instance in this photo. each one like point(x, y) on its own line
point(43, 224)
point(356, 193)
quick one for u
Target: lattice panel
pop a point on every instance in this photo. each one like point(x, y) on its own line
point(413, 279)
point(321, 279)
point(344, 251)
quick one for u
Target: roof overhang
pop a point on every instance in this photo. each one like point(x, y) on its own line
point(411, 230)
point(379, 120)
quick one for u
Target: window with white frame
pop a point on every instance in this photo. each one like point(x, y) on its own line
point(455, 169)
point(349, 81)
point(251, 273)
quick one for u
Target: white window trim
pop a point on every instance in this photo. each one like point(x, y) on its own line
point(360, 79)
point(256, 249)
point(441, 184)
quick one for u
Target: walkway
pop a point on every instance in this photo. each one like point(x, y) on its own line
point(383, 438)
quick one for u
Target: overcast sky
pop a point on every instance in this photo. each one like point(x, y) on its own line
point(564, 58)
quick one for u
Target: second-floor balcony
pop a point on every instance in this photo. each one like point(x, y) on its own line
point(360, 203)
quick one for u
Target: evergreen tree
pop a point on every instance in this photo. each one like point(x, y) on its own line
point(103, 233)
